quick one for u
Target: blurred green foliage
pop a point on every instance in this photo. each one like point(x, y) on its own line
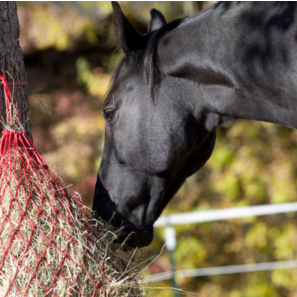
point(70, 51)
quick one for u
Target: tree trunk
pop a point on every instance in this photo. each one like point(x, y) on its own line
point(11, 60)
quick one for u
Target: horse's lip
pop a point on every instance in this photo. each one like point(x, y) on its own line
point(134, 240)
point(133, 236)
point(117, 220)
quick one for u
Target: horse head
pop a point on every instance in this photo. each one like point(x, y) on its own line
point(154, 139)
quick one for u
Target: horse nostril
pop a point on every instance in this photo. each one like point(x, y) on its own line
point(122, 162)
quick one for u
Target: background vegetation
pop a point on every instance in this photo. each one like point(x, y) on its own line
point(70, 51)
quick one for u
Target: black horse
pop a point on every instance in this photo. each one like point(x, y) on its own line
point(174, 86)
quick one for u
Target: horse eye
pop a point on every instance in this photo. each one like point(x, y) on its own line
point(108, 114)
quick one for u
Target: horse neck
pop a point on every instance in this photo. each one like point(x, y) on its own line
point(238, 60)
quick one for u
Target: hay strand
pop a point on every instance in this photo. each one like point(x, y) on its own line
point(48, 247)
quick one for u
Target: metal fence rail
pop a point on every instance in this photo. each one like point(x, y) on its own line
point(215, 215)
point(224, 214)
point(221, 270)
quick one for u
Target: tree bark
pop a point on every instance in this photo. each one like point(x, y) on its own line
point(11, 60)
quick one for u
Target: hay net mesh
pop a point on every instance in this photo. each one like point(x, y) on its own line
point(47, 246)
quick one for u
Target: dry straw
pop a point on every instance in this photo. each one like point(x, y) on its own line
point(48, 247)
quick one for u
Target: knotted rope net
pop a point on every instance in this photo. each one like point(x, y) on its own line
point(48, 247)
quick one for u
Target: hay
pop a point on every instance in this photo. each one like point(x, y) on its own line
point(47, 245)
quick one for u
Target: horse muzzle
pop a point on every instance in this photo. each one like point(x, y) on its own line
point(133, 237)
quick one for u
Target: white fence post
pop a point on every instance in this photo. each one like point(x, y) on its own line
point(171, 245)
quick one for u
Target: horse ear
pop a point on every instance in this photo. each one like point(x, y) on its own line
point(157, 20)
point(130, 39)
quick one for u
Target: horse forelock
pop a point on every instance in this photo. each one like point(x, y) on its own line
point(151, 68)
point(150, 65)
point(113, 79)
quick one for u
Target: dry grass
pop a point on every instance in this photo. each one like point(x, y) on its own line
point(47, 245)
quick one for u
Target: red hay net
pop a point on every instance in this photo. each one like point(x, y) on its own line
point(32, 199)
